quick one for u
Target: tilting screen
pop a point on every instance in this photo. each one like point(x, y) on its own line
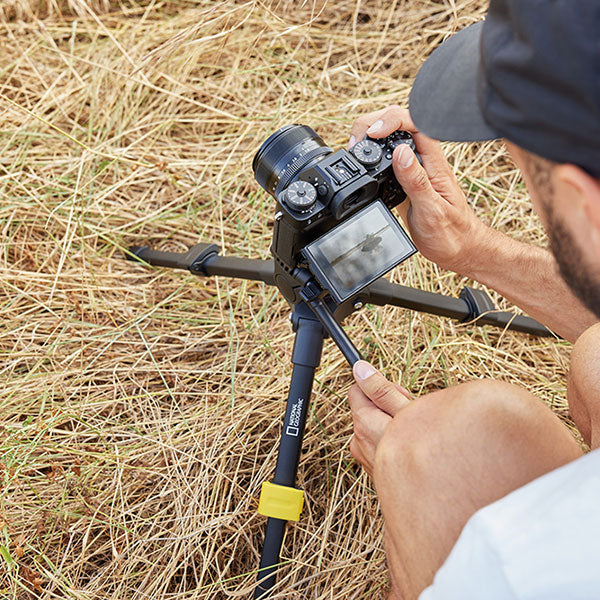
point(358, 251)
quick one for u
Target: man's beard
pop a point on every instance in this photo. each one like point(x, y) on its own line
point(573, 267)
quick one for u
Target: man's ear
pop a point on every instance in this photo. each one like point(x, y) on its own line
point(581, 189)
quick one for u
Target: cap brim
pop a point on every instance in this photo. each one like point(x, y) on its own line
point(444, 99)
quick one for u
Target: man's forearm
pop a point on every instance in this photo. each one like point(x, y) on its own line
point(528, 276)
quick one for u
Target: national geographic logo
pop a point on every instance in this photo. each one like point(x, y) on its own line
point(293, 428)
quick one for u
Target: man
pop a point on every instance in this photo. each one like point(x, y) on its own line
point(483, 491)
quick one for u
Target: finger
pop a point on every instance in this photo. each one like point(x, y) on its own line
point(370, 422)
point(356, 450)
point(361, 124)
point(358, 400)
point(381, 123)
point(402, 390)
point(402, 209)
point(377, 388)
point(393, 118)
point(430, 150)
point(357, 453)
point(369, 419)
point(432, 156)
point(413, 178)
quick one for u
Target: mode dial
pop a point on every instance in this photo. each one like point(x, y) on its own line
point(367, 153)
point(301, 196)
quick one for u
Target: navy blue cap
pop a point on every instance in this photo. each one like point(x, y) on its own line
point(529, 73)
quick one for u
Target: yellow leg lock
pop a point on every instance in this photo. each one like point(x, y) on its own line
point(280, 501)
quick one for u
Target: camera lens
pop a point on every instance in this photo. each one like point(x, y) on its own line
point(284, 154)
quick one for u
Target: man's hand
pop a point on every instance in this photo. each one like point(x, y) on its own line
point(441, 223)
point(374, 401)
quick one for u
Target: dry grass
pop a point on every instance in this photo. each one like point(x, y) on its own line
point(140, 408)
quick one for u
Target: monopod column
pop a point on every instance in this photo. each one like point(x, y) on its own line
point(280, 500)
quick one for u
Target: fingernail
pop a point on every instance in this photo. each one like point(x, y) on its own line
point(375, 127)
point(363, 370)
point(405, 156)
point(351, 142)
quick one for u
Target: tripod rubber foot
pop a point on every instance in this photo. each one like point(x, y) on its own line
point(280, 501)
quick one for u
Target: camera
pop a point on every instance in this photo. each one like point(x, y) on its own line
point(333, 210)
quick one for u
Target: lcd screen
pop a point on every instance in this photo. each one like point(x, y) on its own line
point(359, 251)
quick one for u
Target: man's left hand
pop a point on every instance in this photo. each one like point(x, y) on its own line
point(374, 401)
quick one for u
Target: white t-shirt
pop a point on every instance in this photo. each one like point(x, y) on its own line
point(541, 542)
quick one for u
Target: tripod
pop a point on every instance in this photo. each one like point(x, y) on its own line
point(314, 318)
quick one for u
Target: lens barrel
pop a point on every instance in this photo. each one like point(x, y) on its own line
point(284, 154)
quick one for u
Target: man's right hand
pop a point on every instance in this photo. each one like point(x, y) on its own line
point(442, 225)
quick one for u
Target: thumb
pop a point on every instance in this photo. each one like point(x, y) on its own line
point(411, 175)
point(383, 393)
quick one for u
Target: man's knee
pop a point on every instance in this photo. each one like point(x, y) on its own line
point(584, 385)
point(455, 412)
point(475, 423)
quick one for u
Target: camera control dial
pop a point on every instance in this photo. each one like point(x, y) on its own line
point(367, 153)
point(301, 196)
point(399, 137)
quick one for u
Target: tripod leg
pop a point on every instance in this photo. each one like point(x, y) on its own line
point(305, 358)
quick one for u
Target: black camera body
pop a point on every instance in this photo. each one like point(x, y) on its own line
point(317, 189)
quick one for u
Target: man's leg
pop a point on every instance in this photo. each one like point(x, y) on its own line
point(450, 453)
point(584, 386)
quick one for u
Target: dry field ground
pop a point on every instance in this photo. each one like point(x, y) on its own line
point(140, 407)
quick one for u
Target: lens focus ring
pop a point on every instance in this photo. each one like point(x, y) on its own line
point(284, 154)
point(298, 165)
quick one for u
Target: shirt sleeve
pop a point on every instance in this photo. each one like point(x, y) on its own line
point(541, 542)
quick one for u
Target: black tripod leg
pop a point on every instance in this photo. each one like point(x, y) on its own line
point(473, 305)
point(277, 496)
